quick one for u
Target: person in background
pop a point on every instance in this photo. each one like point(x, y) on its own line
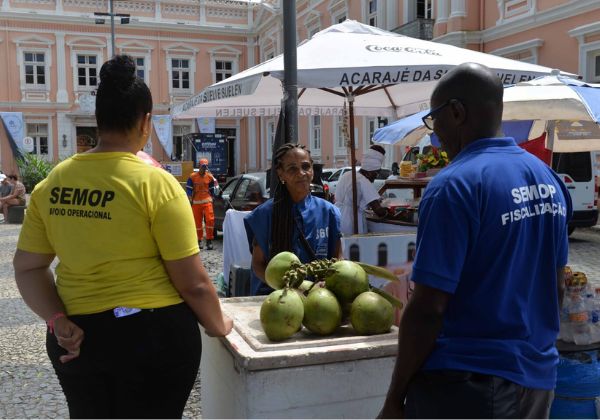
point(293, 220)
point(122, 315)
point(367, 195)
point(5, 186)
point(477, 338)
point(16, 196)
point(201, 190)
point(395, 171)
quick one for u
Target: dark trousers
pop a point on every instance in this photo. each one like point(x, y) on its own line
point(460, 394)
point(139, 366)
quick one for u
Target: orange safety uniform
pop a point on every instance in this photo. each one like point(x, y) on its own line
point(200, 189)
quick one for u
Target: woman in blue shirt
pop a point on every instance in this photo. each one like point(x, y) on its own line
point(297, 214)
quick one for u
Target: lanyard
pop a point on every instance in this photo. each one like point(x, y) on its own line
point(299, 221)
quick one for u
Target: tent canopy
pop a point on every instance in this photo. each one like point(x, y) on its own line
point(566, 108)
point(388, 74)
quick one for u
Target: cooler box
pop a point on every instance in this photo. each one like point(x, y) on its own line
point(244, 375)
point(577, 392)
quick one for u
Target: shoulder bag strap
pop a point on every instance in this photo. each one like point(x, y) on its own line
point(304, 241)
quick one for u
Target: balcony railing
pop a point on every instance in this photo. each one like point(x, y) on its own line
point(418, 28)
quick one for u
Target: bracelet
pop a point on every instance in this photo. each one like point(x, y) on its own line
point(53, 318)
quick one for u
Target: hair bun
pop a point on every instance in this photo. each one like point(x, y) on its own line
point(119, 72)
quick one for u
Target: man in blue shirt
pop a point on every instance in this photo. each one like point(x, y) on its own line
point(477, 338)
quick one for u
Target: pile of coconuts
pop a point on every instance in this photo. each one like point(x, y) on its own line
point(339, 289)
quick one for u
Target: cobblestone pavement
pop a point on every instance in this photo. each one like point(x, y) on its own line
point(28, 386)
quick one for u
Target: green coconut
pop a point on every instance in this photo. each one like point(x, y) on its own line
point(322, 312)
point(277, 267)
point(371, 314)
point(281, 314)
point(348, 281)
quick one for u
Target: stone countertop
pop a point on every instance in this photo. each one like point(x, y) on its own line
point(252, 350)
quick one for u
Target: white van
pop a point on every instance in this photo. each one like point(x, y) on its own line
point(577, 170)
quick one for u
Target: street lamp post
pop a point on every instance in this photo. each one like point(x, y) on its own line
point(112, 27)
point(124, 20)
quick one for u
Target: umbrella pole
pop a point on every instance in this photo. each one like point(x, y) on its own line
point(350, 98)
point(290, 77)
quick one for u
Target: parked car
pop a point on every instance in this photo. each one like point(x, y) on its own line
point(326, 173)
point(331, 183)
point(248, 191)
point(242, 192)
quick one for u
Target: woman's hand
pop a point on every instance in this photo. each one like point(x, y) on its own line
point(227, 327)
point(191, 280)
point(69, 337)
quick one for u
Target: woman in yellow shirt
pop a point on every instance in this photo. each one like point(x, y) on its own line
point(130, 288)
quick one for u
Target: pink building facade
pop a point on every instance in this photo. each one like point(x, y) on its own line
point(51, 52)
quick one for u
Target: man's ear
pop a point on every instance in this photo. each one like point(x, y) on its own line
point(459, 112)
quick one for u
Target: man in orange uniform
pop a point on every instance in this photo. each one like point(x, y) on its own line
point(200, 190)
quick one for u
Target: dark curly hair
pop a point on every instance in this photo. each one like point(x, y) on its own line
point(122, 97)
point(282, 222)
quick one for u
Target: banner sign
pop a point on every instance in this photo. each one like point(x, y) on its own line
point(577, 130)
point(212, 147)
point(15, 131)
point(174, 169)
point(28, 144)
point(220, 91)
point(164, 131)
point(206, 125)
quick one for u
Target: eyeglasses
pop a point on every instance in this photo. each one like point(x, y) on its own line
point(429, 118)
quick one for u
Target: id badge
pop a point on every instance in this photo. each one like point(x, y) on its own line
point(122, 311)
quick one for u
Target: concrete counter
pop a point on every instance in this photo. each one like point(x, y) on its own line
point(244, 375)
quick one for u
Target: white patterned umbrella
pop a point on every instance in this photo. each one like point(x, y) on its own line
point(376, 72)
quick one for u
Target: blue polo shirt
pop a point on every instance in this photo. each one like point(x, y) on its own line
point(492, 232)
point(319, 221)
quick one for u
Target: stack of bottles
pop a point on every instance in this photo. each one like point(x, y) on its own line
point(580, 315)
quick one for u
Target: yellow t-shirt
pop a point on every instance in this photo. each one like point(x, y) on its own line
point(111, 219)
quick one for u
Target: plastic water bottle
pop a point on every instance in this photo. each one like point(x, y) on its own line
point(595, 328)
point(565, 332)
point(580, 320)
point(590, 300)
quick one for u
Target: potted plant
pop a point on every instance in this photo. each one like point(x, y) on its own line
point(33, 169)
point(432, 162)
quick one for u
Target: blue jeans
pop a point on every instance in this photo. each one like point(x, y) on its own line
point(139, 366)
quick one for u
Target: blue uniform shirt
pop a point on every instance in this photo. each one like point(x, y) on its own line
point(320, 223)
point(492, 232)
